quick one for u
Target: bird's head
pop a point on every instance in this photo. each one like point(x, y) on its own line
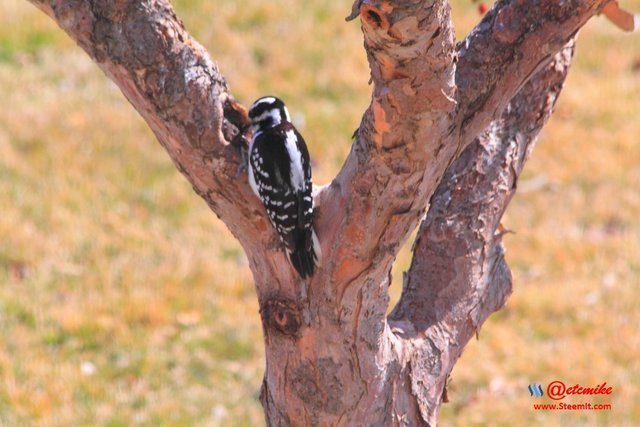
point(267, 112)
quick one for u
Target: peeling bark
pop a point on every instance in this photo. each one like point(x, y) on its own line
point(333, 358)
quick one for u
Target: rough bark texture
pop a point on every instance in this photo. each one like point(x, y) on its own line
point(332, 356)
point(459, 276)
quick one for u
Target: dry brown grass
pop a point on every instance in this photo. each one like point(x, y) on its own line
point(124, 301)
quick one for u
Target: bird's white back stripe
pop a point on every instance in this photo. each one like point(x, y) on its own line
point(295, 156)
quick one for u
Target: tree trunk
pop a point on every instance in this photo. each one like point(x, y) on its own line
point(333, 356)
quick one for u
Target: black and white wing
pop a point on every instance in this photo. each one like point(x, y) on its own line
point(280, 174)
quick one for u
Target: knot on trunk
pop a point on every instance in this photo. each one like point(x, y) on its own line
point(376, 18)
point(282, 315)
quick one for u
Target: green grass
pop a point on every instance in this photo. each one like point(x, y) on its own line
point(109, 260)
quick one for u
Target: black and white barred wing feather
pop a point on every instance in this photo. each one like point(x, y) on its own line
point(281, 176)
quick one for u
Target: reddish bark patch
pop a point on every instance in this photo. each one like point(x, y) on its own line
point(381, 125)
point(389, 67)
point(307, 344)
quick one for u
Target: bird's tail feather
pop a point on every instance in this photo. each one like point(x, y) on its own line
point(306, 254)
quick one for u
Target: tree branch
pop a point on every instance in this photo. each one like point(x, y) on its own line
point(172, 82)
point(382, 190)
point(458, 275)
point(512, 42)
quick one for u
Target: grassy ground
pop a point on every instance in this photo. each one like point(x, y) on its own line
point(124, 301)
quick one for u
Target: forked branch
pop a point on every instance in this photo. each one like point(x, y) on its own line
point(429, 102)
point(331, 355)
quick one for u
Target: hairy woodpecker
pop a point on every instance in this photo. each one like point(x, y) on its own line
point(280, 175)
